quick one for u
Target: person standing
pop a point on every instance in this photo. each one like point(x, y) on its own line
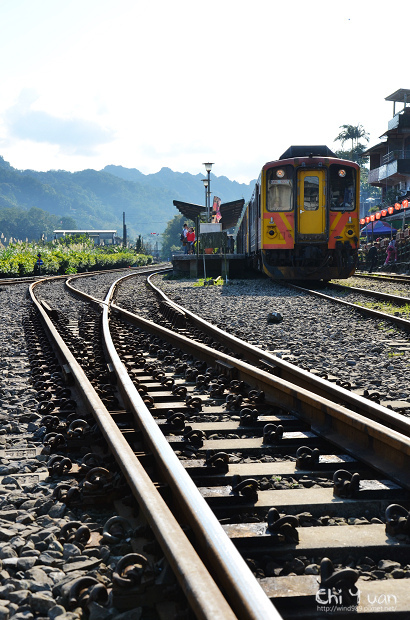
point(391, 252)
point(372, 258)
point(191, 240)
point(184, 238)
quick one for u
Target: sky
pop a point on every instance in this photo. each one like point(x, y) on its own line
point(148, 84)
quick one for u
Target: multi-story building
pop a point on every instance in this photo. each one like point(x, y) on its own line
point(390, 159)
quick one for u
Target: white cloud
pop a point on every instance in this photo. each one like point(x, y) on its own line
point(73, 135)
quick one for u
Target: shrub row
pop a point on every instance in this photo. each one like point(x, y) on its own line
point(21, 259)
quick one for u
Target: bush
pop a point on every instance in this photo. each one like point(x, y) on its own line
point(21, 259)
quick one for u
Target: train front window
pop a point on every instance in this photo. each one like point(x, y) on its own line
point(279, 189)
point(342, 188)
point(311, 193)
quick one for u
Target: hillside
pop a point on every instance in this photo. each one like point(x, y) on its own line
point(97, 199)
point(185, 186)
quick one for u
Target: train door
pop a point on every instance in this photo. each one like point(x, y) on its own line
point(311, 204)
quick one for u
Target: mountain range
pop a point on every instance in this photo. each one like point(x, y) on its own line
point(97, 199)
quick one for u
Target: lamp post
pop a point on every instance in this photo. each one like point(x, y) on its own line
point(208, 167)
point(206, 183)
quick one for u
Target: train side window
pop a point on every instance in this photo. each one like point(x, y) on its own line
point(342, 188)
point(311, 193)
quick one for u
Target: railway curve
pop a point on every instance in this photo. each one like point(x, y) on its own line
point(238, 428)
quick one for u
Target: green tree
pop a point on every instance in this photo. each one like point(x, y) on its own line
point(138, 245)
point(171, 236)
point(68, 223)
point(355, 133)
point(31, 224)
point(355, 155)
point(83, 238)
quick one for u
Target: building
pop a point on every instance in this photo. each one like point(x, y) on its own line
point(390, 159)
point(100, 237)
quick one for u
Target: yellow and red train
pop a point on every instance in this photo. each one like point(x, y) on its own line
point(302, 221)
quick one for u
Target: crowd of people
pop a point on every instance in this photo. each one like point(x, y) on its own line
point(372, 255)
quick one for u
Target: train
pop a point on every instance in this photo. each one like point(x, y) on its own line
point(302, 221)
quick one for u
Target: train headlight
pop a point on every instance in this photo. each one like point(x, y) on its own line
point(350, 232)
point(280, 173)
point(342, 173)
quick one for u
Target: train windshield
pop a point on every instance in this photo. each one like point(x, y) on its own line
point(279, 189)
point(342, 188)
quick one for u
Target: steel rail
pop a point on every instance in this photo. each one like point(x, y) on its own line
point(399, 300)
point(88, 274)
point(244, 593)
point(382, 316)
point(204, 596)
point(358, 434)
point(96, 301)
point(383, 277)
point(293, 374)
point(387, 450)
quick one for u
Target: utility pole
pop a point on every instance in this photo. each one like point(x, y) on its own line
point(124, 231)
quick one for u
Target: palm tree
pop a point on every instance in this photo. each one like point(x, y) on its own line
point(353, 133)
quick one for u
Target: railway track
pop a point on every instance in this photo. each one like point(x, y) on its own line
point(339, 391)
point(264, 454)
point(395, 300)
point(387, 277)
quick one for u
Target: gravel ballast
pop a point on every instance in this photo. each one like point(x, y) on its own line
point(38, 568)
point(34, 564)
point(314, 334)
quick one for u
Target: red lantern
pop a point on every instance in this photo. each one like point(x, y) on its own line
point(367, 219)
point(362, 221)
point(397, 206)
point(378, 215)
point(405, 204)
point(372, 218)
point(384, 212)
point(390, 210)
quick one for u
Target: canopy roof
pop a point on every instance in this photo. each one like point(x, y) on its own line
point(230, 211)
point(403, 94)
point(379, 228)
point(189, 210)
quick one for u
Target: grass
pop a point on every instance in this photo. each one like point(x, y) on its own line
point(219, 281)
point(387, 307)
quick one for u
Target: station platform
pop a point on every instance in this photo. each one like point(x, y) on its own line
point(209, 265)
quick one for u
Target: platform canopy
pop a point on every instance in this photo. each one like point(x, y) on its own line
point(403, 94)
point(189, 210)
point(230, 211)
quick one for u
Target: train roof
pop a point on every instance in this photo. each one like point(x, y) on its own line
point(307, 151)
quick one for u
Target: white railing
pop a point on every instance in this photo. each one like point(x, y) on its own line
point(397, 154)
